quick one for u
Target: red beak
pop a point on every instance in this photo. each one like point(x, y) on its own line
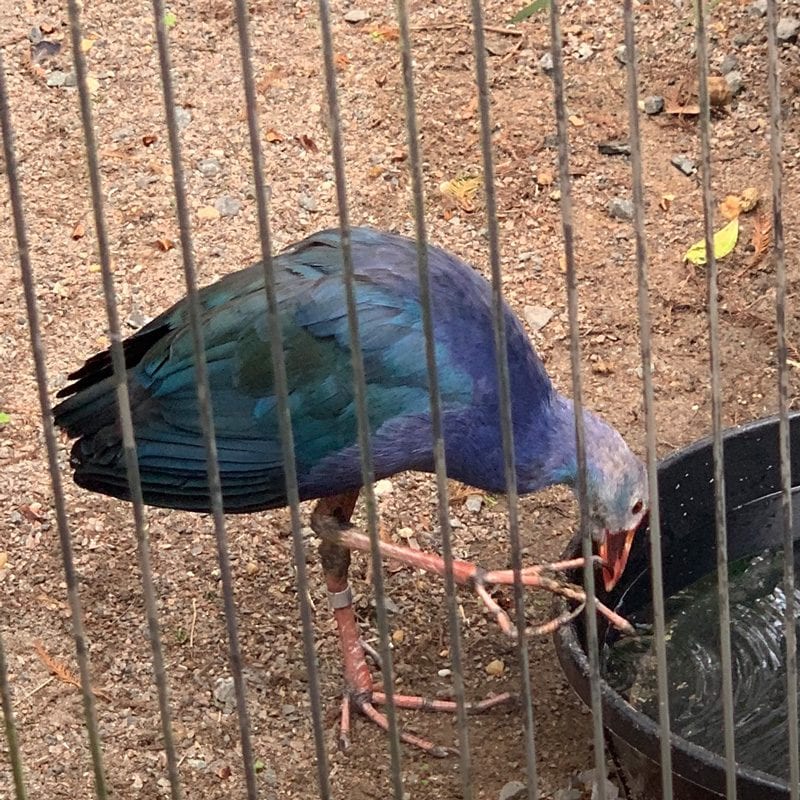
point(614, 550)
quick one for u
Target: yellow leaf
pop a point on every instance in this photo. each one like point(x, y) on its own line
point(207, 213)
point(92, 84)
point(87, 44)
point(724, 242)
point(462, 190)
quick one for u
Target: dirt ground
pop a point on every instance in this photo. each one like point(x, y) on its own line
point(134, 155)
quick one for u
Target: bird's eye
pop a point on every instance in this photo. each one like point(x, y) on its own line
point(637, 507)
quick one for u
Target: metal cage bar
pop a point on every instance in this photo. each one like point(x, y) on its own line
point(20, 793)
point(123, 402)
point(204, 397)
point(726, 658)
point(415, 168)
point(359, 385)
point(568, 232)
point(643, 299)
point(284, 414)
point(779, 244)
point(38, 353)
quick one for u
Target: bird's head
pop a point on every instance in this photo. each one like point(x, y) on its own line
point(617, 495)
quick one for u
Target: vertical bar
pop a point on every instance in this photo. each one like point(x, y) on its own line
point(359, 385)
point(11, 730)
point(283, 411)
point(123, 402)
point(204, 398)
point(568, 233)
point(716, 406)
point(415, 168)
point(64, 535)
point(504, 390)
point(775, 151)
point(642, 273)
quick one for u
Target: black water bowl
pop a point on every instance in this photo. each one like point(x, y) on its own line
point(752, 476)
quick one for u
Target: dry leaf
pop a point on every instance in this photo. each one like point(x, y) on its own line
point(385, 34)
point(719, 93)
point(87, 44)
point(148, 139)
point(164, 244)
point(375, 171)
point(307, 143)
point(665, 203)
point(61, 671)
point(273, 77)
point(32, 512)
point(79, 231)
point(545, 178)
point(341, 61)
point(601, 367)
point(463, 190)
point(577, 121)
point(273, 136)
point(749, 198)
point(724, 242)
point(207, 213)
point(92, 84)
point(731, 206)
point(762, 238)
point(688, 109)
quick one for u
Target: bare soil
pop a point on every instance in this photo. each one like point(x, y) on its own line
point(140, 209)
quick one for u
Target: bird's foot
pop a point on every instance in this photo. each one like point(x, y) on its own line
point(362, 695)
point(465, 573)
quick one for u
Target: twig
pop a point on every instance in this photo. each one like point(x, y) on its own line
point(193, 623)
point(449, 26)
point(38, 688)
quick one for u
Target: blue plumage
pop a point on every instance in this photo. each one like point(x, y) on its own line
point(314, 322)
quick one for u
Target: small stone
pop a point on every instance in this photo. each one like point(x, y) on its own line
point(620, 208)
point(684, 164)
point(456, 523)
point(585, 52)
point(444, 673)
point(383, 487)
point(398, 636)
point(182, 117)
point(495, 668)
point(546, 63)
point(729, 63)
point(742, 39)
point(753, 125)
point(356, 15)
point(537, 316)
point(308, 203)
point(474, 503)
point(35, 35)
point(227, 206)
point(654, 104)
point(787, 29)
point(513, 790)
point(56, 78)
point(208, 167)
point(119, 134)
point(621, 55)
point(734, 79)
point(389, 604)
point(225, 694)
point(616, 147)
point(758, 8)
point(71, 79)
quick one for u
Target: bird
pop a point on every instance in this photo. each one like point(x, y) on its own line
point(311, 303)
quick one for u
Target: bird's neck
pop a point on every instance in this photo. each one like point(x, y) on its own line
point(549, 456)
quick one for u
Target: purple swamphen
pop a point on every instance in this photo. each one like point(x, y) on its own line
point(309, 279)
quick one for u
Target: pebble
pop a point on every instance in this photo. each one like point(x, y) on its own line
point(56, 78)
point(227, 206)
point(617, 147)
point(389, 604)
point(383, 487)
point(208, 167)
point(119, 134)
point(620, 208)
point(444, 673)
point(729, 63)
point(787, 29)
point(355, 15)
point(621, 55)
point(735, 83)
point(182, 117)
point(307, 203)
point(474, 503)
point(742, 39)
point(758, 8)
point(653, 104)
point(225, 694)
point(684, 164)
point(537, 316)
point(495, 668)
point(513, 790)
point(546, 63)
point(585, 52)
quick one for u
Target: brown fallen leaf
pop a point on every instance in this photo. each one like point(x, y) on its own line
point(341, 61)
point(148, 139)
point(761, 238)
point(62, 672)
point(719, 93)
point(32, 512)
point(79, 231)
point(386, 33)
point(665, 203)
point(731, 206)
point(273, 136)
point(600, 367)
point(545, 178)
point(306, 142)
point(164, 244)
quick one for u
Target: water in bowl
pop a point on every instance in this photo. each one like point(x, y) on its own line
point(758, 607)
